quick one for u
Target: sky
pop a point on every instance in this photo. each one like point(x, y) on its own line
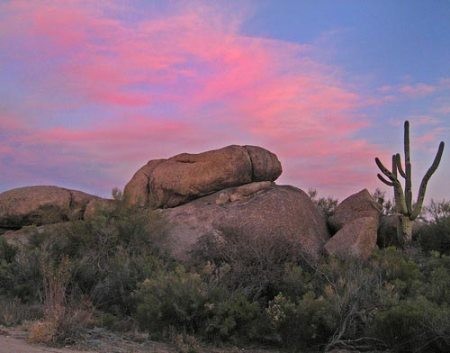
point(92, 90)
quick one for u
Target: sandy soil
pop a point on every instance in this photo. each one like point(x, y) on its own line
point(14, 341)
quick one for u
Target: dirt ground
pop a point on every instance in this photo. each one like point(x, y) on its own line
point(13, 340)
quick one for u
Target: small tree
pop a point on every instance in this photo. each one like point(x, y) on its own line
point(407, 212)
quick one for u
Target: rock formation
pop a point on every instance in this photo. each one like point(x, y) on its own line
point(41, 205)
point(229, 191)
point(260, 209)
point(171, 182)
point(356, 220)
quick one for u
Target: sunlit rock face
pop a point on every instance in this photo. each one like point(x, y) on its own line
point(185, 177)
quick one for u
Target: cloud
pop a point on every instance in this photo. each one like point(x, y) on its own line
point(102, 88)
point(417, 90)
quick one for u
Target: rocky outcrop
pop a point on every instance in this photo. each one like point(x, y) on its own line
point(223, 194)
point(355, 206)
point(356, 221)
point(356, 238)
point(185, 177)
point(41, 205)
point(260, 209)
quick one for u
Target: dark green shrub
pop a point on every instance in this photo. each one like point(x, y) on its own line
point(414, 325)
point(435, 236)
point(308, 322)
point(7, 251)
point(171, 300)
point(399, 270)
point(254, 265)
point(233, 318)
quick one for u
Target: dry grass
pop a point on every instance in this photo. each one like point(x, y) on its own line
point(63, 322)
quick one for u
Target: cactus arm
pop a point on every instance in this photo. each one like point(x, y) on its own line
point(388, 183)
point(385, 171)
point(394, 166)
point(408, 181)
point(398, 190)
point(398, 160)
point(424, 183)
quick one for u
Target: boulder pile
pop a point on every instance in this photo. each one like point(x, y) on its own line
point(356, 220)
point(231, 190)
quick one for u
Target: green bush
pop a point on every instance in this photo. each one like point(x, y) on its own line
point(306, 323)
point(254, 265)
point(171, 300)
point(435, 236)
point(414, 325)
point(234, 318)
point(111, 253)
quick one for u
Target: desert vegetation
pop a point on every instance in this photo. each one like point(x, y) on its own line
point(114, 271)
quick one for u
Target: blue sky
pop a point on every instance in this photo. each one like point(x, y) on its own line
point(91, 91)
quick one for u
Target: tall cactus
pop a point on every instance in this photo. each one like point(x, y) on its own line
point(407, 211)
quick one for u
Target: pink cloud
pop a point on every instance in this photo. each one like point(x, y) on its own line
point(417, 90)
point(214, 85)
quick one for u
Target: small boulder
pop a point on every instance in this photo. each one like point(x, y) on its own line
point(41, 205)
point(185, 177)
point(355, 206)
point(357, 238)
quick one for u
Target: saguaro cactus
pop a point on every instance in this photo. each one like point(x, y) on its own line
point(407, 211)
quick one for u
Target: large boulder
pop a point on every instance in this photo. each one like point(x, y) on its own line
point(260, 209)
point(185, 177)
point(357, 238)
point(41, 205)
point(355, 206)
point(356, 221)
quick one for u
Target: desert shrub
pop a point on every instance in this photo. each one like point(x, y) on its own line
point(399, 271)
point(438, 289)
point(254, 265)
point(387, 205)
point(233, 318)
point(296, 280)
point(7, 251)
point(182, 302)
point(63, 320)
point(387, 232)
point(414, 325)
point(326, 205)
point(14, 312)
point(110, 253)
point(435, 235)
point(171, 300)
point(304, 323)
point(185, 343)
point(19, 273)
point(437, 210)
